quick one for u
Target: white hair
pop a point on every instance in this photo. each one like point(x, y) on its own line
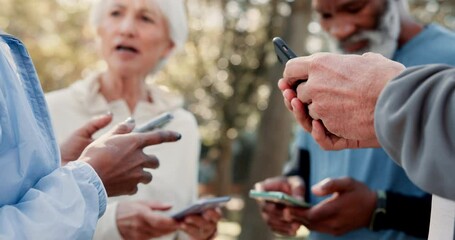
point(172, 10)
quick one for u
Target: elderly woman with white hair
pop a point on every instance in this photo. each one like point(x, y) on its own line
point(136, 37)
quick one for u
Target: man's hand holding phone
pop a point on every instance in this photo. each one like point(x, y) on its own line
point(279, 198)
point(288, 86)
point(273, 213)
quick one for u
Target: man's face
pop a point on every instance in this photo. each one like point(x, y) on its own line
point(359, 26)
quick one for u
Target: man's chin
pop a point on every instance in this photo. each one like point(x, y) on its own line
point(387, 50)
point(345, 51)
point(357, 52)
point(385, 47)
point(336, 48)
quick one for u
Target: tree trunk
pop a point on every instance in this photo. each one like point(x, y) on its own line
point(224, 170)
point(270, 154)
point(274, 133)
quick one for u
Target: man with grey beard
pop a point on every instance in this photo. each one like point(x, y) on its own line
point(362, 193)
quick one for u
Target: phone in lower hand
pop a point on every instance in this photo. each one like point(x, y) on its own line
point(279, 197)
point(200, 206)
point(157, 122)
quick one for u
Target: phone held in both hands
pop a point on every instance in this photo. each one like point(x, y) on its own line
point(157, 122)
point(279, 197)
point(200, 206)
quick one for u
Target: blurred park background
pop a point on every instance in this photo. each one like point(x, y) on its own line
point(227, 73)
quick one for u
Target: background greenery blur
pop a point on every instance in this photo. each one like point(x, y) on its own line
point(227, 72)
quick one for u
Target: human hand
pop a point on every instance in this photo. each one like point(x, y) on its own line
point(329, 141)
point(294, 105)
point(294, 185)
point(350, 207)
point(342, 92)
point(324, 138)
point(118, 158)
point(73, 146)
point(137, 220)
point(272, 213)
point(201, 226)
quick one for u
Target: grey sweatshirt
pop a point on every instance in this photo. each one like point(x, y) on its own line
point(415, 124)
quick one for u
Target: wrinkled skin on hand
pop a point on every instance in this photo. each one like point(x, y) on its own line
point(337, 102)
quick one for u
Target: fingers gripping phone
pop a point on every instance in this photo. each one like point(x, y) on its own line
point(284, 54)
point(200, 206)
point(279, 197)
point(157, 122)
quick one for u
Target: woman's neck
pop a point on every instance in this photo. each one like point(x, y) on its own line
point(129, 88)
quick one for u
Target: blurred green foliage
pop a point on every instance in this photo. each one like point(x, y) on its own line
point(56, 35)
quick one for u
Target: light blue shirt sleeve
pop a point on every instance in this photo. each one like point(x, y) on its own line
point(38, 198)
point(65, 204)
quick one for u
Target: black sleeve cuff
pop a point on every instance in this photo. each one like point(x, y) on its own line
point(302, 169)
point(407, 214)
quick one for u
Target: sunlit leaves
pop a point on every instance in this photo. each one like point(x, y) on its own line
point(56, 35)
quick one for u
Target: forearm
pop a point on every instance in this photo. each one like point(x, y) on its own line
point(407, 214)
point(413, 121)
point(63, 204)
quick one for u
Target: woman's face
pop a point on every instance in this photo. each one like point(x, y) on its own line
point(134, 36)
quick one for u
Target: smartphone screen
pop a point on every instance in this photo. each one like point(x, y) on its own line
point(157, 122)
point(200, 206)
point(279, 197)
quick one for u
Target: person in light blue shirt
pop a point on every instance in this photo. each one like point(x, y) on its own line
point(363, 194)
point(40, 199)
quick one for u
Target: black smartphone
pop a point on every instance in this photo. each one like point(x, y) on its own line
point(155, 123)
point(284, 54)
point(282, 50)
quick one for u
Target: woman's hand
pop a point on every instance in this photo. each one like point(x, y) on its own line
point(203, 226)
point(137, 220)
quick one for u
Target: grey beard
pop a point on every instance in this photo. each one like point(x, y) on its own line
point(383, 40)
